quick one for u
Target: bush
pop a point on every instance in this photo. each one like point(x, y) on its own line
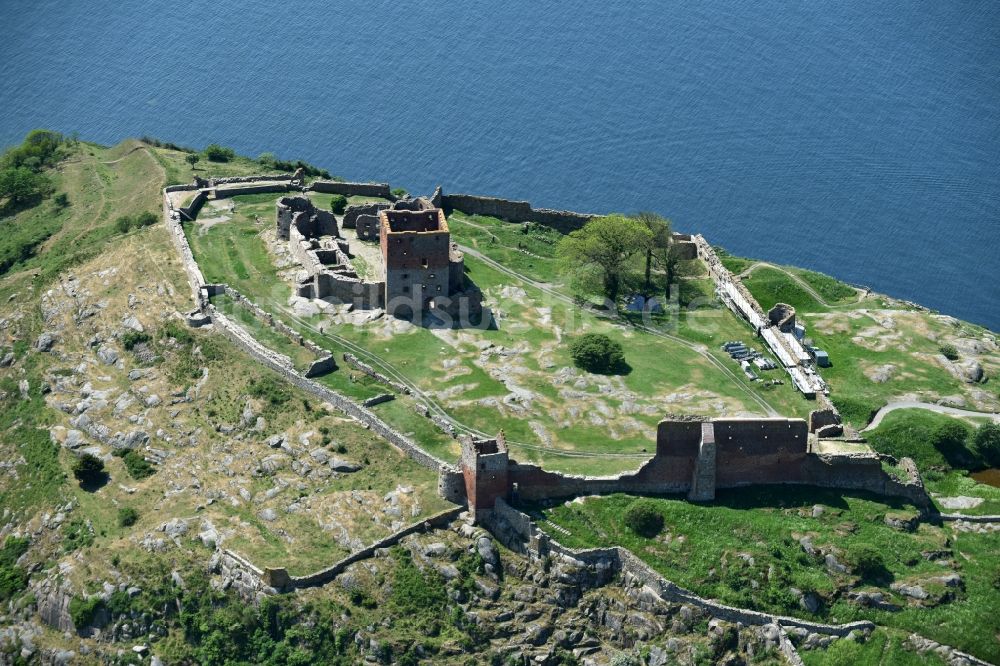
point(137, 466)
point(76, 534)
point(597, 353)
point(216, 153)
point(868, 563)
point(133, 338)
point(127, 516)
point(12, 580)
point(987, 443)
point(644, 518)
point(398, 192)
point(88, 468)
point(950, 438)
point(949, 352)
point(338, 204)
point(83, 611)
point(270, 389)
point(126, 223)
point(61, 200)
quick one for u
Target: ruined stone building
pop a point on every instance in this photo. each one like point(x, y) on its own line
point(421, 269)
point(422, 266)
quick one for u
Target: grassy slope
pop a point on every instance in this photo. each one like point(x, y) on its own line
point(704, 548)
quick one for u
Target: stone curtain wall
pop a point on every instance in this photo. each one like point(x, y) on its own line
point(237, 190)
point(191, 210)
point(358, 364)
point(352, 189)
point(324, 362)
point(515, 211)
point(326, 575)
point(282, 365)
point(517, 531)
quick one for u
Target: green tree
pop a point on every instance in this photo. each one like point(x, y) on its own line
point(605, 246)
point(659, 251)
point(216, 153)
point(20, 184)
point(987, 443)
point(192, 159)
point(338, 204)
point(597, 353)
point(88, 468)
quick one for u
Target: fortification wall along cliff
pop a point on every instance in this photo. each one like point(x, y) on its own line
point(517, 531)
point(352, 189)
point(515, 211)
point(695, 457)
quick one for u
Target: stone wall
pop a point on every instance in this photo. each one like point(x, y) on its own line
point(358, 364)
point(353, 211)
point(352, 189)
point(237, 189)
point(514, 211)
point(326, 575)
point(190, 212)
point(516, 531)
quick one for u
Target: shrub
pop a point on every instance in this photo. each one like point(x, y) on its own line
point(216, 153)
point(868, 563)
point(987, 443)
point(133, 338)
point(949, 351)
point(950, 438)
point(398, 192)
point(88, 468)
point(127, 516)
point(83, 611)
point(12, 580)
point(644, 518)
point(266, 159)
point(270, 389)
point(137, 466)
point(597, 353)
point(76, 534)
point(61, 200)
point(338, 204)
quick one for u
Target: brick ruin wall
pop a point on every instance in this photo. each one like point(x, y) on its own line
point(352, 189)
point(747, 452)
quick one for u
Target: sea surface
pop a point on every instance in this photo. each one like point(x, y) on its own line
point(857, 138)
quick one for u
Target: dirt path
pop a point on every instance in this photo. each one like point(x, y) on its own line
point(940, 409)
point(802, 283)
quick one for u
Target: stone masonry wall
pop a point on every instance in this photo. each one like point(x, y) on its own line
point(515, 211)
point(516, 531)
point(352, 189)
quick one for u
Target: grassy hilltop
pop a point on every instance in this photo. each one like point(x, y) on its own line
point(222, 452)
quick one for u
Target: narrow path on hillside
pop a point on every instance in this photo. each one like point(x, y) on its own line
point(802, 283)
point(698, 349)
point(940, 409)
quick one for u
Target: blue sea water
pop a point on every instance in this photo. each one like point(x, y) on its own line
point(857, 138)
